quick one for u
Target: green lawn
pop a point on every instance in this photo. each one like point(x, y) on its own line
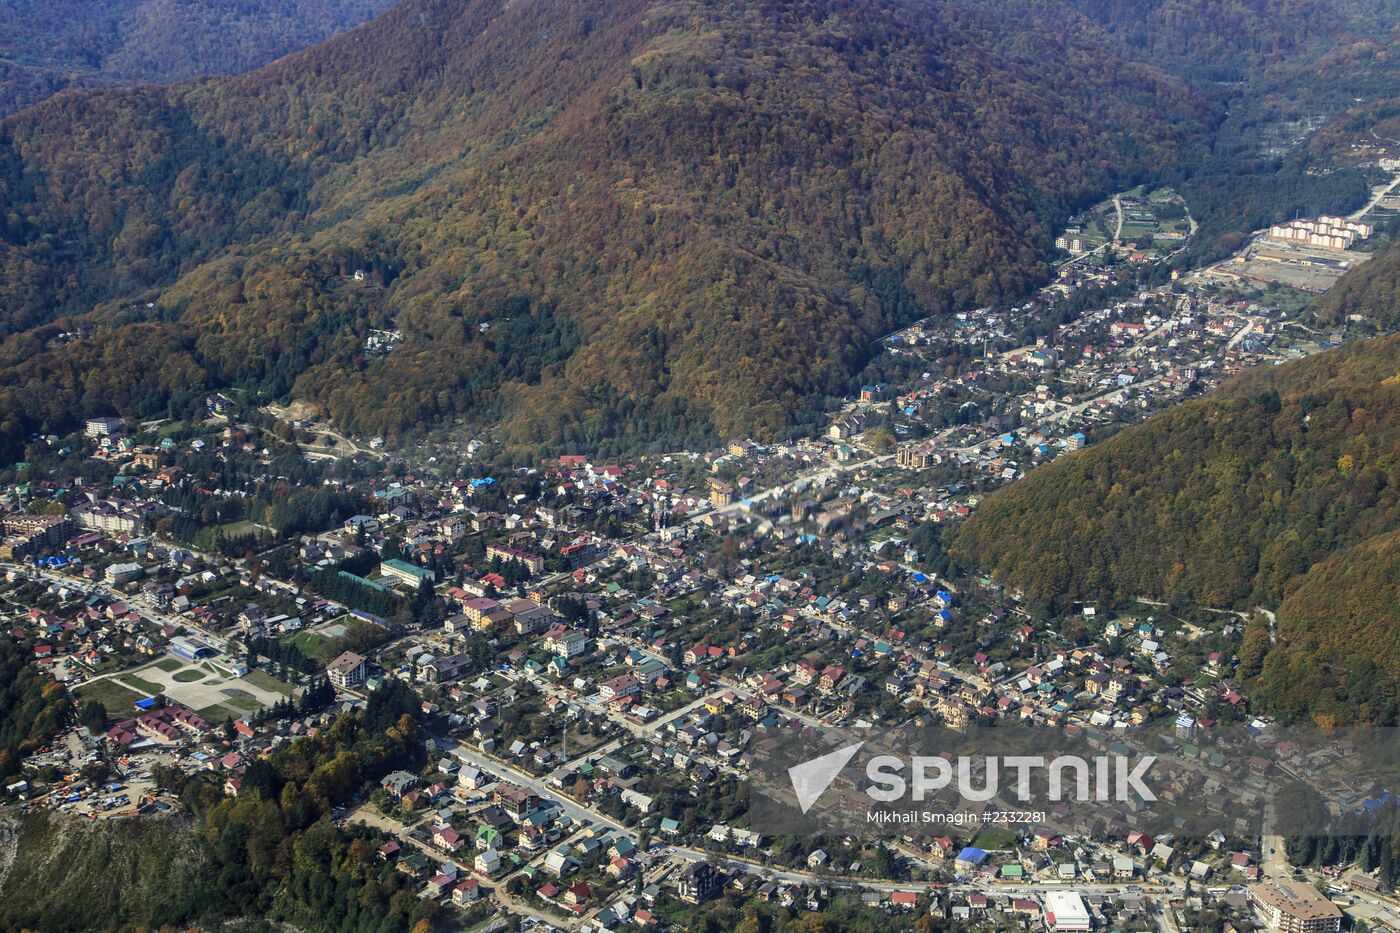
point(169, 665)
point(118, 699)
point(266, 681)
point(995, 837)
point(136, 683)
point(307, 642)
point(216, 714)
point(108, 664)
point(235, 529)
point(246, 704)
point(188, 677)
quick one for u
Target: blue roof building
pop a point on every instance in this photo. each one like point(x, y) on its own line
point(972, 856)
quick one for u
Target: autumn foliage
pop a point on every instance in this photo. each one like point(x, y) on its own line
point(1282, 489)
point(646, 220)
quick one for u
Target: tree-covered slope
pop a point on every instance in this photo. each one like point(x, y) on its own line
point(271, 854)
point(1281, 489)
point(1370, 291)
point(1224, 500)
point(33, 706)
point(651, 221)
point(1337, 648)
point(49, 45)
point(1243, 41)
point(674, 219)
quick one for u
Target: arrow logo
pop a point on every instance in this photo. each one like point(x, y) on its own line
point(811, 778)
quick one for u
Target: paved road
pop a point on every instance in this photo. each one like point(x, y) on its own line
point(1377, 197)
point(817, 476)
point(1240, 335)
point(516, 776)
point(798, 876)
point(1371, 909)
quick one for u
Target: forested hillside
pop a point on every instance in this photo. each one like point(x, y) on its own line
point(651, 222)
point(1240, 41)
point(1371, 291)
point(1280, 489)
point(49, 45)
point(1336, 653)
point(650, 219)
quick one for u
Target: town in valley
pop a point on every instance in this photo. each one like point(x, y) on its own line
point(596, 651)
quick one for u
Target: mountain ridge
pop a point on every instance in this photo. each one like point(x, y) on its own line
point(706, 221)
point(50, 46)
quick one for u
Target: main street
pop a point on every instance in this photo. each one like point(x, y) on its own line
point(817, 476)
point(370, 816)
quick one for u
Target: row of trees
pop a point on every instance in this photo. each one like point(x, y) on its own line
point(313, 699)
point(1371, 843)
point(279, 652)
point(348, 591)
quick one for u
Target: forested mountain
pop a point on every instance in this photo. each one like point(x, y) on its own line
point(1244, 41)
point(1336, 654)
point(650, 221)
point(1371, 291)
point(49, 45)
point(642, 219)
point(1280, 489)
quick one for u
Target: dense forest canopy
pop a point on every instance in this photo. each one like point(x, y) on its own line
point(1225, 499)
point(1370, 291)
point(1240, 41)
point(637, 220)
point(639, 223)
point(49, 45)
